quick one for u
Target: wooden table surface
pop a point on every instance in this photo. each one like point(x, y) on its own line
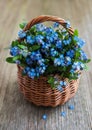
point(15, 112)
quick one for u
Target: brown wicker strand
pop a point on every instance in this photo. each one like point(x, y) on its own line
point(44, 18)
point(40, 92)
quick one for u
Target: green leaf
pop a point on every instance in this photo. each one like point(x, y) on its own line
point(10, 60)
point(50, 69)
point(77, 54)
point(23, 64)
point(35, 47)
point(46, 61)
point(86, 67)
point(88, 60)
point(22, 25)
point(22, 46)
point(50, 80)
point(33, 30)
point(52, 58)
point(18, 57)
point(15, 43)
point(76, 32)
point(59, 34)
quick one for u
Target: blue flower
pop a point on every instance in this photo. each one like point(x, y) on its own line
point(55, 36)
point(49, 39)
point(82, 66)
point(64, 41)
point(79, 41)
point(83, 55)
point(21, 34)
point(57, 61)
point(49, 30)
point(59, 87)
point(39, 39)
point(44, 52)
point(53, 52)
point(59, 44)
point(70, 53)
point(55, 25)
point(26, 69)
point(62, 59)
point(64, 32)
point(72, 71)
point(46, 46)
point(63, 83)
point(33, 56)
point(41, 61)
point(38, 56)
point(31, 73)
point(76, 38)
point(68, 60)
point(30, 39)
point(37, 71)
point(14, 51)
point(67, 24)
point(24, 53)
point(67, 42)
point(28, 61)
point(42, 69)
point(40, 27)
point(52, 45)
point(78, 66)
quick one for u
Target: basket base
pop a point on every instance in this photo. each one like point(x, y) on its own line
point(39, 92)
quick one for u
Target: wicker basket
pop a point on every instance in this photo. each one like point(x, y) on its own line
point(38, 90)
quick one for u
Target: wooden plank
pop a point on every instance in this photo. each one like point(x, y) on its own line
point(15, 112)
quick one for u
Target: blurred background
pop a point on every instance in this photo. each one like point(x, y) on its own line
point(14, 110)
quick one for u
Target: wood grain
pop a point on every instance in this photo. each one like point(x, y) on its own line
point(15, 112)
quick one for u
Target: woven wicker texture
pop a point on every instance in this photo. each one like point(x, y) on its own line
point(38, 90)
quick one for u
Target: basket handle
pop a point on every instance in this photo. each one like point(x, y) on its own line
point(44, 18)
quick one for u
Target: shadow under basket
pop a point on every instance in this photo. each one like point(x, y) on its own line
point(39, 92)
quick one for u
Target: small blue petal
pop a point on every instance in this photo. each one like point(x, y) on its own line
point(14, 51)
point(21, 34)
point(64, 83)
point(61, 83)
point(30, 40)
point(17, 62)
point(63, 114)
point(44, 117)
point(68, 24)
point(71, 107)
point(55, 25)
point(59, 87)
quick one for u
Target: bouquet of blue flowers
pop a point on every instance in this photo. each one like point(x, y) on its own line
point(47, 51)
